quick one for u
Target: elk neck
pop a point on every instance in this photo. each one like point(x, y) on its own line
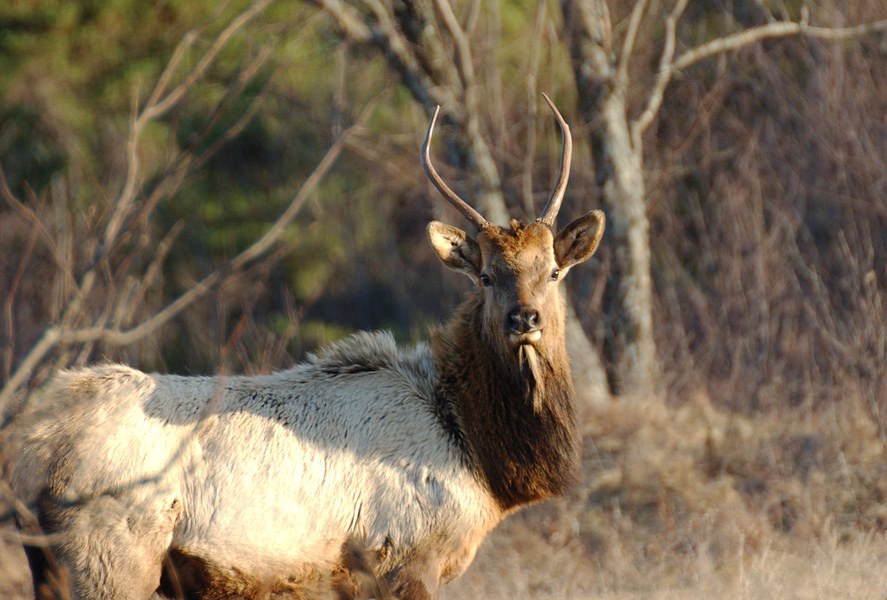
point(520, 434)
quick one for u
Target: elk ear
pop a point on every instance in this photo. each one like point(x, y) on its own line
point(577, 241)
point(457, 251)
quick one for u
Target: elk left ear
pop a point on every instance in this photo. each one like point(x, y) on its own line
point(577, 241)
point(455, 249)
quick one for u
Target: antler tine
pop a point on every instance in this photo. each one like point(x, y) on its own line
point(554, 203)
point(470, 214)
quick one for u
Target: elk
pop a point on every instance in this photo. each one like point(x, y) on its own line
point(261, 487)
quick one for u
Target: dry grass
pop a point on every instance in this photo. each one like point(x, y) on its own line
point(695, 503)
point(514, 565)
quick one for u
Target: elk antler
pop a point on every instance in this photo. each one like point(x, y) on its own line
point(554, 203)
point(470, 214)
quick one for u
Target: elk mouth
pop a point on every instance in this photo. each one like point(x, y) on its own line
point(524, 339)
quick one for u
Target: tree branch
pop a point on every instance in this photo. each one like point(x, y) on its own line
point(63, 335)
point(634, 24)
point(28, 213)
point(532, 103)
point(407, 33)
point(772, 30)
point(9, 342)
point(492, 203)
point(157, 106)
point(348, 20)
point(669, 67)
point(388, 38)
point(462, 50)
point(664, 75)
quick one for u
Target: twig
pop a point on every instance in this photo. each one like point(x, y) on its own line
point(491, 200)
point(187, 162)
point(472, 19)
point(462, 49)
point(668, 67)
point(772, 30)
point(61, 334)
point(154, 110)
point(29, 214)
point(663, 76)
point(532, 111)
point(153, 271)
point(348, 20)
point(9, 342)
point(157, 106)
point(184, 44)
point(402, 58)
point(32, 535)
point(634, 24)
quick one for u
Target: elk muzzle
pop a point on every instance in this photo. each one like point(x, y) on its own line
point(524, 324)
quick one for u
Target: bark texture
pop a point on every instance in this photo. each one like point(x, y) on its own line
point(629, 344)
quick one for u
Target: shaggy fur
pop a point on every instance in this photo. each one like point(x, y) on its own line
point(368, 468)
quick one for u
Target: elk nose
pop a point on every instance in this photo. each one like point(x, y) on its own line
point(523, 319)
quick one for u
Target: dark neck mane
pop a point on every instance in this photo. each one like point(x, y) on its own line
point(524, 453)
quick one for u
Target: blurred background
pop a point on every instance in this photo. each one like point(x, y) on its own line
point(201, 187)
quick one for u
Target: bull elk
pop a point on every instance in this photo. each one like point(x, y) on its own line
point(260, 487)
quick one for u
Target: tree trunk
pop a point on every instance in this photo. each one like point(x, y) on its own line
point(415, 52)
point(629, 345)
point(589, 375)
point(629, 295)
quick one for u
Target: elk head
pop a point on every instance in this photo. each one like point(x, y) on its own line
point(519, 267)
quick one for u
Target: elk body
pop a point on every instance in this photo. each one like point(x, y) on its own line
point(261, 487)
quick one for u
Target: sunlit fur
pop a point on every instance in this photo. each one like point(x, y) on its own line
point(264, 478)
point(256, 487)
point(524, 444)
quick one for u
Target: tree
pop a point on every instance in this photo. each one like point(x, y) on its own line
point(430, 49)
point(601, 68)
point(105, 302)
point(602, 71)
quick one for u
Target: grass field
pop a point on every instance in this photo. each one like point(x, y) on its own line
point(509, 565)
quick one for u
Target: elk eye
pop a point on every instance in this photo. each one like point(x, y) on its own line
point(555, 274)
point(485, 279)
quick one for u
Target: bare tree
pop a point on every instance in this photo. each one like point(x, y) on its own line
point(105, 303)
point(604, 82)
point(430, 49)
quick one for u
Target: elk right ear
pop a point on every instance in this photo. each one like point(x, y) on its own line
point(577, 241)
point(455, 249)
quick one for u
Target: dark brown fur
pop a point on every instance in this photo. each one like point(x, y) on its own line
point(525, 455)
point(190, 577)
